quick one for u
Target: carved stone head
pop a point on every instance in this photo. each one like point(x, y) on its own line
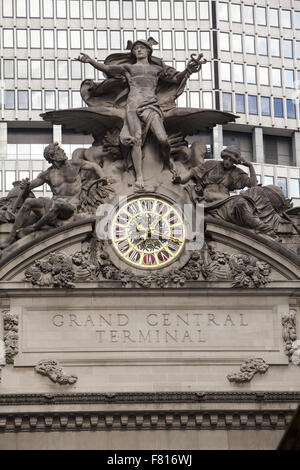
point(54, 153)
point(233, 153)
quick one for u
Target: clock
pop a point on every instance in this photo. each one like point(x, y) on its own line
point(148, 232)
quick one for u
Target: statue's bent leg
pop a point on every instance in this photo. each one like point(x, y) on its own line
point(159, 131)
point(244, 216)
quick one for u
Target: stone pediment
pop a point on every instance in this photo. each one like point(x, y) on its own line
point(231, 256)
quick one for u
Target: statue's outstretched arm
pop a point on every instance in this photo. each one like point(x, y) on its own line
point(107, 69)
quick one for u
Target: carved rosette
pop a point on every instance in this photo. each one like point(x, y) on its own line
point(11, 335)
point(51, 369)
point(248, 369)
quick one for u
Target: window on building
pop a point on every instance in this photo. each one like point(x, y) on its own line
point(227, 102)
point(153, 10)
point(286, 19)
point(89, 71)
point(49, 66)
point(237, 43)
point(140, 8)
point(178, 10)
point(288, 48)
point(179, 40)
point(294, 187)
point(264, 76)
point(224, 42)
point(101, 9)
point(278, 107)
point(282, 183)
point(62, 39)
point(22, 38)
point(289, 78)
point(239, 103)
point(205, 40)
point(265, 106)
point(225, 72)
point(21, 8)
point(248, 14)
point(127, 36)
point(207, 99)
point(194, 99)
point(76, 70)
point(251, 74)
point(7, 9)
point(268, 180)
point(273, 17)
point(48, 9)
point(167, 40)
point(165, 10)
point(8, 38)
point(297, 19)
point(10, 178)
point(275, 47)
point(74, 8)
point(223, 11)
point(36, 99)
point(62, 68)
point(249, 44)
point(63, 99)
point(290, 109)
point(22, 69)
point(206, 71)
point(298, 49)
point(35, 38)
point(115, 40)
point(192, 40)
point(236, 12)
point(88, 39)
point(61, 9)
point(75, 39)
point(252, 104)
point(49, 99)
point(9, 68)
point(114, 10)
point(238, 73)
point(204, 10)
point(191, 10)
point(276, 77)
point(127, 10)
point(48, 39)
point(181, 100)
point(23, 99)
point(261, 16)
point(34, 9)
point(9, 99)
point(76, 99)
point(87, 8)
point(102, 40)
point(262, 46)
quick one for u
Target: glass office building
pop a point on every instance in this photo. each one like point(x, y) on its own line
point(253, 70)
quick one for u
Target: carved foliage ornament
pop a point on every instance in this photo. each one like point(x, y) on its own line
point(93, 263)
point(11, 326)
point(51, 369)
point(289, 335)
point(248, 369)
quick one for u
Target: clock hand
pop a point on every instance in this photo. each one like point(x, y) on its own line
point(167, 237)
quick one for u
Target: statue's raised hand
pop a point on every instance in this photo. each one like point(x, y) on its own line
point(195, 63)
point(84, 58)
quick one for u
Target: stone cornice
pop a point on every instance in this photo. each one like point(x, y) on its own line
point(150, 397)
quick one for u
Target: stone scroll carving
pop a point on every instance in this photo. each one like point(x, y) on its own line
point(248, 369)
point(11, 336)
point(51, 369)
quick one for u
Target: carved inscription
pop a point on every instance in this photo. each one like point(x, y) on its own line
point(165, 328)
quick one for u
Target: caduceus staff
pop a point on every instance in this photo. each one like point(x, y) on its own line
point(193, 66)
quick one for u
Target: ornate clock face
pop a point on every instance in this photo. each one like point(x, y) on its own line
point(148, 232)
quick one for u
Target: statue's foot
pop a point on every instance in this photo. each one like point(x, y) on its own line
point(139, 184)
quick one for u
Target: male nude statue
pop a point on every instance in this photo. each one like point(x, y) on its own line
point(142, 110)
point(64, 179)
